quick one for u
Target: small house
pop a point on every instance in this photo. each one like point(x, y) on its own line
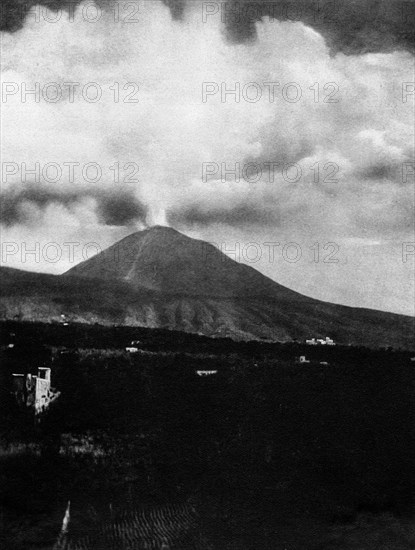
point(302, 359)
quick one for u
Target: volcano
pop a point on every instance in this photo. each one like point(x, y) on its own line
point(162, 259)
point(163, 279)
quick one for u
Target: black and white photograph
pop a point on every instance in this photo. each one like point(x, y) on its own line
point(207, 275)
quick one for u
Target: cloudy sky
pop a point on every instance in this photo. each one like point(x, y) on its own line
point(133, 122)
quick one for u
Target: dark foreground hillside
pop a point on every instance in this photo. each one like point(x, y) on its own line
point(267, 453)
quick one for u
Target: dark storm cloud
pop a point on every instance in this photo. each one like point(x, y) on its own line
point(112, 208)
point(177, 8)
point(123, 209)
point(381, 171)
point(389, 170)
point(239, 215)
point(348, 26)
point(14, 12)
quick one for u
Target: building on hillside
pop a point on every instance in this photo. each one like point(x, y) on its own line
point(35, 391)
point(133, 347)
point(312, 342)
point(321, 342)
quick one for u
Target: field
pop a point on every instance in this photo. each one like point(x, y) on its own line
point(268, 453)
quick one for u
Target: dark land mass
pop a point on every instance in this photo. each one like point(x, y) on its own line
point(268, 452)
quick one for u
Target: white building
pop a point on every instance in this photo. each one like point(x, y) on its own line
point(312, 342)
point(133, 347)
point(321, 342)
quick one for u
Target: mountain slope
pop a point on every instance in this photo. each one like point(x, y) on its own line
point(161, 258)
point(161, 278)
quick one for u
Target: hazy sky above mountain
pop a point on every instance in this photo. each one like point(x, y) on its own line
point(328, 159)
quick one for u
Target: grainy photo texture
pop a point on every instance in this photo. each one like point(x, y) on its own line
point(207, 283)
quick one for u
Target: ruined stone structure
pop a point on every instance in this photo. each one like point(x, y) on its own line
point(35, 391)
